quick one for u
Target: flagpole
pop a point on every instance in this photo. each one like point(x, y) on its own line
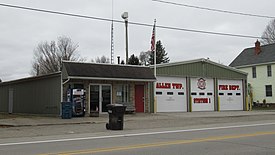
point(155, 68)
point(155, 52)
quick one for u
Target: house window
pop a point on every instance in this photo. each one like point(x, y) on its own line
point(268, 90)
point(122, 93)
point(269, 73)
point(253, 72)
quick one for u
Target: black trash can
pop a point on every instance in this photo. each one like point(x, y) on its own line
point(67, 110)
point(116, 116)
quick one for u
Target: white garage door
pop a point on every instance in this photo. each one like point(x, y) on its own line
point(171, 94)
point(202, 94)
point(230, 94)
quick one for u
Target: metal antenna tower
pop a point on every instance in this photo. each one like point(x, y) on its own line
point(112, 35)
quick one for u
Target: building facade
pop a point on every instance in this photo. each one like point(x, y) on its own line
point(199, 85)
point(34, 95)
point(187, 86)
point(89, 86)
point(105, 84)
point(259, 63)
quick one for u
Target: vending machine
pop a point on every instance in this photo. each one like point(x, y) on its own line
point(78, 99)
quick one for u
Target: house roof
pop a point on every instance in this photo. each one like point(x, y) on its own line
point(248, 57)
point(81, 70)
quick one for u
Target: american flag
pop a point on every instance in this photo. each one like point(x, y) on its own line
point(153, 38)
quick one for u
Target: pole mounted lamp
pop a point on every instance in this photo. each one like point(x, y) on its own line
point(125, 17)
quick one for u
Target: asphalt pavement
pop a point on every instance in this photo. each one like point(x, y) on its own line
point(31, 126)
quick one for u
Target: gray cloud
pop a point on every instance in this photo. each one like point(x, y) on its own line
point(22, 30)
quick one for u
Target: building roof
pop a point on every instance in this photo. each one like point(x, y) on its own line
point(199, 60)
point(29, 79)
point(248, 57)
point(81, 70)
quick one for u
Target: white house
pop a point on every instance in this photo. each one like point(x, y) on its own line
point(259, 63)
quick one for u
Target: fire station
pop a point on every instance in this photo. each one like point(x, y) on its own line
point(186, 86)
point(199, 85)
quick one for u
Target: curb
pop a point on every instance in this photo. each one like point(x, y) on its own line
point(47, 124)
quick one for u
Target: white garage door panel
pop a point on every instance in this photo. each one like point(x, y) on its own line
point(171, 94)
point(230, 94)
point(202, 94)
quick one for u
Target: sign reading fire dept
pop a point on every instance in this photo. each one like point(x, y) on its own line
point(229, 87)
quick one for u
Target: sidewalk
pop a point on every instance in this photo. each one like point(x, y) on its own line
point(25, 120)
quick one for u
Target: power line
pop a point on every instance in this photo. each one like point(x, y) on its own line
point(215, 10)
point(132, 23)
point(209, 32)
point(197, 31)
point(59, 13)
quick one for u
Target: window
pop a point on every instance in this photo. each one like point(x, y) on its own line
point(170, 93)
point(201, 93)
point(253, 72)
point(238, 94)
point(210, 94)
point(269, 73)
point(229, 94)
point(268, 90)
point(158, 93)
point(221, 94)
point(123, 93)
point(180, 93)
point(193, 93)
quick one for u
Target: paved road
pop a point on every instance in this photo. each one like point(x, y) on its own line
point(50, 126)
point(218, 139)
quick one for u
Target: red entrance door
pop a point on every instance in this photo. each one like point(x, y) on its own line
point(139, 98)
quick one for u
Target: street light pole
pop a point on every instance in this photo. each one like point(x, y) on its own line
point(126, 33)
point(125, 17)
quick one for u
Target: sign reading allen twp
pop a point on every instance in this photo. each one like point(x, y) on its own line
point(169, 85)
point(229, 87)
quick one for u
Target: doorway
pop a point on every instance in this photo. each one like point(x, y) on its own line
point(100, 96)
point(10, 101)
point(139, 98)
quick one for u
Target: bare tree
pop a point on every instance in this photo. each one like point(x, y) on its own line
point(48, 56)
point(268, 36)
point(102, 59)
point(144, 57)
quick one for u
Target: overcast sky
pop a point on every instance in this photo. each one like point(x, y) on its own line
point(22, 30)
